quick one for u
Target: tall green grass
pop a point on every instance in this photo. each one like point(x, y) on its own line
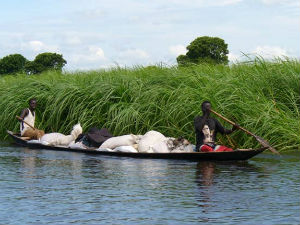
point(261, 96)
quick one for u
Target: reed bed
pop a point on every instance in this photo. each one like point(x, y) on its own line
point(261, 96)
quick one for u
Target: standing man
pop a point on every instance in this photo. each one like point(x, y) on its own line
point(206, 129)
point(28, 116)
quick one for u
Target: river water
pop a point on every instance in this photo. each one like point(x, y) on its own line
point(50, 187)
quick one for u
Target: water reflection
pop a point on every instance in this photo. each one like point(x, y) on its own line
point(205, 173)
point(32, 161)
point(28, 163)
point(210, 174)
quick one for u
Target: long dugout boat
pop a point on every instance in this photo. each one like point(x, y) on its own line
point(238, 154)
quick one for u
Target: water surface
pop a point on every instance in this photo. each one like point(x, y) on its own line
point(51, 187)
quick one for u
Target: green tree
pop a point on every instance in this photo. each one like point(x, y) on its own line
point(183, 60)
point(13, 63)
point(32, 67)
point(45, 61)
point(205, 49)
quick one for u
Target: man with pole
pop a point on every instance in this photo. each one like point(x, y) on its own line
point(207, 128)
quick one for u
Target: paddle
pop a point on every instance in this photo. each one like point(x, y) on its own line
point(259, 139)
point(25, 122)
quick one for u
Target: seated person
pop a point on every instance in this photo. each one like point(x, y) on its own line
point(207, 128)
point(28, 117)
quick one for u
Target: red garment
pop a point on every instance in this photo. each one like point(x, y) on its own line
point(221, 148)
point(224, 149)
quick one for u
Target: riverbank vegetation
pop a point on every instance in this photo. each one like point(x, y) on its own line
point(260, 96)
point(16, 63)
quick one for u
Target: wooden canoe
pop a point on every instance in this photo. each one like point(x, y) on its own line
point(242, 154)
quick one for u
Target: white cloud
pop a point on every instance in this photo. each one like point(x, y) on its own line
point(73, 40)
point(96, 52)
point(269, 2)
point(93, 13)
point(93, 54)
point(134, 54)
point(227, 2)
point(177, 50)
point(200, 3)
point(288, 2)
point(232, 57)
point(38, 46)
point(270, 52)
point(289, 7)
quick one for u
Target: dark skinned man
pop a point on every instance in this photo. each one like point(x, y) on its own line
point(28, 115)
point(206, 129)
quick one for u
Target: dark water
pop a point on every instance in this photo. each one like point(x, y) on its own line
point(48, 187)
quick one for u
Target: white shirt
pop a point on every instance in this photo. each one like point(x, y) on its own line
point(30, 118)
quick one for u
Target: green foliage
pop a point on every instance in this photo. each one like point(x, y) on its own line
point(17, 63)
point(31, 67)
point(212, 50)
point(183, 60)
point(11, 64)
point(261, 96)
point(45, 61)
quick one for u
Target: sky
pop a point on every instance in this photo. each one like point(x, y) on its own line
point(95, 34)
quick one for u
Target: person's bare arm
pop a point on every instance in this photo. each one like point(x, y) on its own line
point(24, 113)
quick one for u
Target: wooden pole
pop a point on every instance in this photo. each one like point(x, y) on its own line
point(259, 139)
point(25, 122)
